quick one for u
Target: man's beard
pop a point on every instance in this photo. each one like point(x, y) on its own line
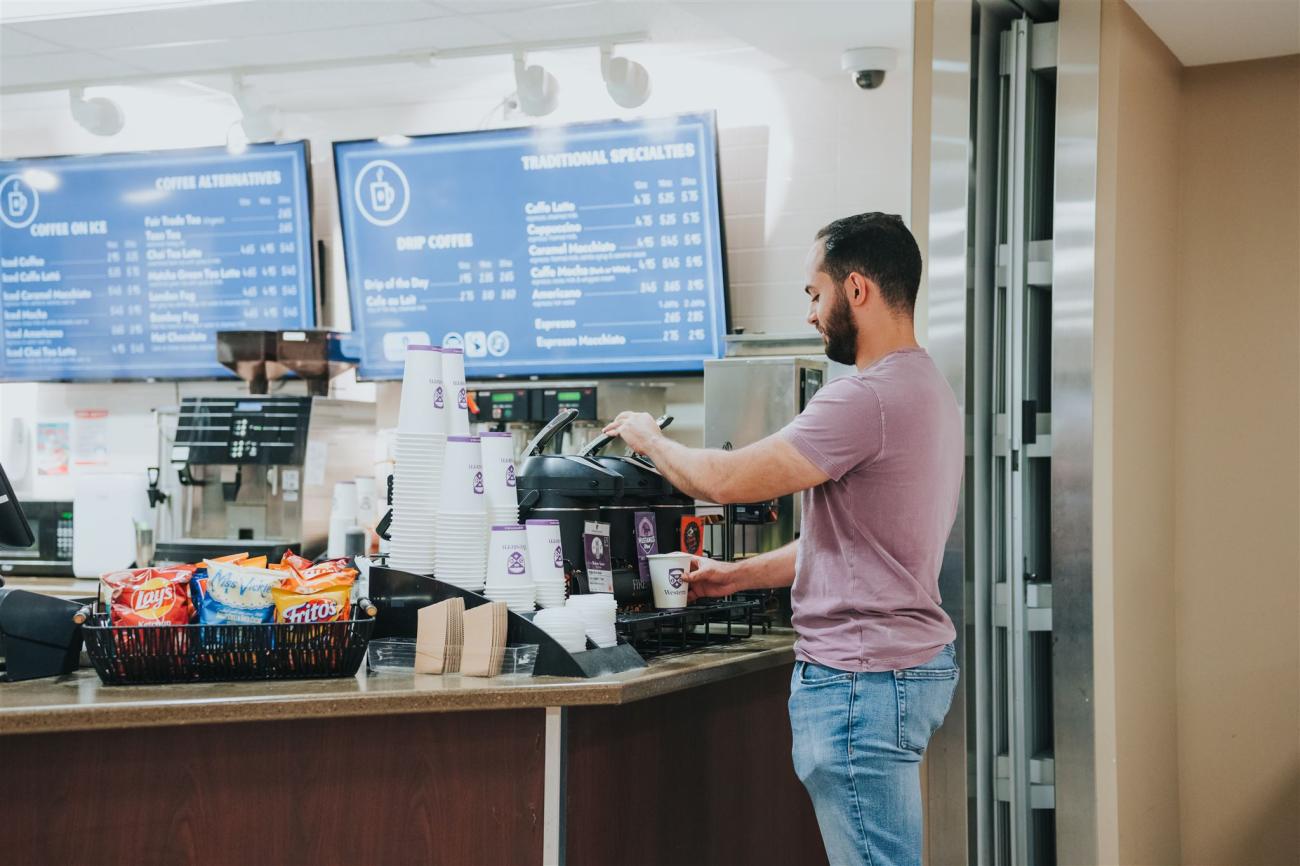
point(840, 331)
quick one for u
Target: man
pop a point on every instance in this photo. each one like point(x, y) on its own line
point(878, 457)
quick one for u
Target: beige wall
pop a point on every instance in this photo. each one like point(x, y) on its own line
point(1136, 285)
point(1238, 464)
point(1197, 377)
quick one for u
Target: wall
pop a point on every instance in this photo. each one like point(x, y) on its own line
point(1237, 462)
point(1136, 285)
point(1197, 458)
point(798, 147)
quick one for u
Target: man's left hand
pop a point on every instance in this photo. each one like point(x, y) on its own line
point(637, 429)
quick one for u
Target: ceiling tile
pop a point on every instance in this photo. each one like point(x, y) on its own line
point(14, 43)
point(40, 68)
point(223, 21)
point(575, 20)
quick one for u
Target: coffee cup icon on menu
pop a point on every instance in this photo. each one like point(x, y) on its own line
point(382, 193)
point(16, 202)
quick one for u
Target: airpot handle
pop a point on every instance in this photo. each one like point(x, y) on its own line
point(562, 419)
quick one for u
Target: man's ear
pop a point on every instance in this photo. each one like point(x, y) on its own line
point(857, 288)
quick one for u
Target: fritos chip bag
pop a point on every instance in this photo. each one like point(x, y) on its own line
point(238, 594)
point(328, 604)
point(149, 596)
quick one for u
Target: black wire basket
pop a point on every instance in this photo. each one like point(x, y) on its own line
point(138, 655)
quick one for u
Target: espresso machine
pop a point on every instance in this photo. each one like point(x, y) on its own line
point(257, 473)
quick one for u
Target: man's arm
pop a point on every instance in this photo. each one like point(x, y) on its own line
point(713, 578)
point(765, 470)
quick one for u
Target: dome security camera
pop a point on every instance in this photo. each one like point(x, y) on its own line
point(868, 66)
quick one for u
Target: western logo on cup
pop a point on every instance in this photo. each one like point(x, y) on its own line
point(510, 475)
point(675, 578)
point(559, 557)
point(460, 399)
point(437, 397)
point(478, 482)
point(516, 564)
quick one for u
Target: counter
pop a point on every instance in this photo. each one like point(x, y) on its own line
point(686, 761)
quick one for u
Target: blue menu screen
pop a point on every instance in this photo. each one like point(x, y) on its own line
point(582, 249)
point(125, 266)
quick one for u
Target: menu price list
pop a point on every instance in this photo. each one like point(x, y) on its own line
point(140, 291)
point(590, 263)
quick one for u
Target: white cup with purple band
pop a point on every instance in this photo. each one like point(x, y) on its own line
point(668, 579)
point(456, 392)
point(462, 477)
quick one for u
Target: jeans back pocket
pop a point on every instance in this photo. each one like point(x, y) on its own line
point(924, 694)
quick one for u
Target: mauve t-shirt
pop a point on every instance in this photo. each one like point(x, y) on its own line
point(866, 587)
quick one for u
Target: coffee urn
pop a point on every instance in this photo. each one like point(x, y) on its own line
point(565, 487)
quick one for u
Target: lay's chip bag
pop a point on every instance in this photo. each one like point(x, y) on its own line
point(149, 596)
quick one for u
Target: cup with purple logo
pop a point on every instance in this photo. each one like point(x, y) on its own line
point(508, 579)
point(668, 579)
point(546, 561)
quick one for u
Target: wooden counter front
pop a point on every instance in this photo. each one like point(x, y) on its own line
point(396, 769)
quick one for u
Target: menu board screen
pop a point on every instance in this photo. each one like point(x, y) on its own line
point(582, 249)
point(125, 266)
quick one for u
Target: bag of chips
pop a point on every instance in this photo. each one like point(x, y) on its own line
point(327, 604)
point(149, 596)
point(238, 594)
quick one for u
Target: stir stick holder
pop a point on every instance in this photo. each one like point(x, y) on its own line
point(399, 595)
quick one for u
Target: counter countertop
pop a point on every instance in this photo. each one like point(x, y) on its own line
point(79, 701)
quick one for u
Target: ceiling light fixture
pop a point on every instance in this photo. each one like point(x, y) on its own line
point(98, 116)
point(627, 81)
point(236, 139)
point(537, 89)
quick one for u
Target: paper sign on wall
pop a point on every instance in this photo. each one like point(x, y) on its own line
point(90, 437)
point(52, 448)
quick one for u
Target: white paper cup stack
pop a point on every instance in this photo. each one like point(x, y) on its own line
point(507, 569)
point(499, 477)
point(457, 395)
point(418, 449)
point(546, 561)
point(565, 625)
point(597, 610)
point(461, 524)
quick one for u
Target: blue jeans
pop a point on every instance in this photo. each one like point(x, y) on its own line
point(858, 740)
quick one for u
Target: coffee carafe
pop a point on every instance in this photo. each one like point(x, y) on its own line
point(569, 488)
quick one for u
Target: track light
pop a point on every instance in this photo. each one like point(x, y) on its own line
point(537, 89)
point(626, 80)
point(98, 116)
point(259, 122)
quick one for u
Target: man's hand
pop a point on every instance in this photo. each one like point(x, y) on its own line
point(712, 578)
point(637, 429)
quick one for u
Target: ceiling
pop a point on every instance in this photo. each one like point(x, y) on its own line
point(1223, 31)
point(49, 43)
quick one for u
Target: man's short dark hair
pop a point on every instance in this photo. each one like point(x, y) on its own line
point(880, 247)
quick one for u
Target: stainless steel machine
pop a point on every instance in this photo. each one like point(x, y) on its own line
point(257, 473)
point(745, 400)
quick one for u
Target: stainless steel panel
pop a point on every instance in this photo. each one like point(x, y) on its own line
point(1073, 269)
point(948, 833)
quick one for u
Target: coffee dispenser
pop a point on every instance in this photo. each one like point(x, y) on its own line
point(565, 487)
point(257, 472)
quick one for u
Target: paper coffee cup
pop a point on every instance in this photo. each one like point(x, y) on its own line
point(499, 469)
point(456, 393)
point(418, 411)
point(545, 554)
point(462, 476)
point(667, 579)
